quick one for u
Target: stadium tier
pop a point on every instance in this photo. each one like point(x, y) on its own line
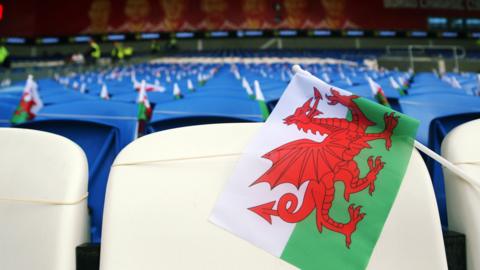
point(218, 93)
point(101, 110)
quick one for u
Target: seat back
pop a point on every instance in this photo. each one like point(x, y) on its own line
point(189, 121)
point(156, 213)
point(439, 128)
point(6, 113)
point(412, 236)
point(44, 215)
point(461, 147)
point(100, 143)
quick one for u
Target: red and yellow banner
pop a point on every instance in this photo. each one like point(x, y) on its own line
point(56, 17)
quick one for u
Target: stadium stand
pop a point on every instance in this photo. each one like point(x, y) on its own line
point(132, 81)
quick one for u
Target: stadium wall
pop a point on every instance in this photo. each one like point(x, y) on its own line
point(35, 18)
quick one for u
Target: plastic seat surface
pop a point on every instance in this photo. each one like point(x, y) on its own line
point(462, 148)
point(38, 167)
point(120, 115)
point(439, 128)
point(156, 213)
point(101, 145)
point(6, 113)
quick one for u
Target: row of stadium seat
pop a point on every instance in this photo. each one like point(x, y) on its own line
point(44, 206)
point(103, 127)
point(152, 221)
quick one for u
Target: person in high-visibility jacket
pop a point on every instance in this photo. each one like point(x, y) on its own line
point(118, 53)
point(94, 53)
point(4, 56)
point(127, 52)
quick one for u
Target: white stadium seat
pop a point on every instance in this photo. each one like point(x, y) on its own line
point(43, 207)
point(156, 214)
point(462, 147)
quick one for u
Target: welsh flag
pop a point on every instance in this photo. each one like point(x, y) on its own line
point(30, 103)
point(177, 93)
point(201, 79)
point(83, 88)
point(404, 82)
point(148, 86)
point(261, 100)
point(144, 108)
point(316, 184)
point(190, 86)
point(247, 88)
point(104, 93)
point(236, 73)
point(377, 92)
point(456, 83)
point(396, 86)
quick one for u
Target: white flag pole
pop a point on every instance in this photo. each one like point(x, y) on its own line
point(447, 164)
point(444, 162)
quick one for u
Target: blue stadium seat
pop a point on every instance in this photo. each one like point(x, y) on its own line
point(6, 112)
point(102, 129)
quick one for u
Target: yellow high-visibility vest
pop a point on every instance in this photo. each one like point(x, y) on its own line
point(3, 54)
point(96, 53)
point(118, 52)
point(128, 51)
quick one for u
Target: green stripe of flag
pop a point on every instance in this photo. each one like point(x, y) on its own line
point(142, 112)
point(20, 116)
point(380, 97)
point(263, 109)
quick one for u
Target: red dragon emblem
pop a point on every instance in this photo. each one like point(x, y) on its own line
point(321, 164)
